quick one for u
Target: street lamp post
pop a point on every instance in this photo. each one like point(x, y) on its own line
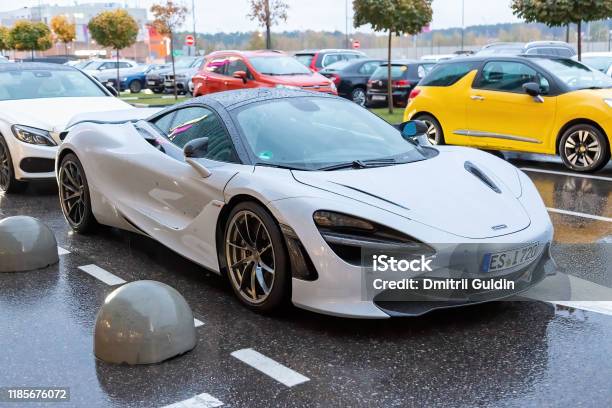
point(462, 24)
point(346, 23)
point(195, 38)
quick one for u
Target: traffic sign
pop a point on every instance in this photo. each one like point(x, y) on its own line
point(356, 44)
point(189, 40)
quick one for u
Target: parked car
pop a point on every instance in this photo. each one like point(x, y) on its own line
point(547, 48)
point(316, 60)
point(351, 77)
point(437, 57)
point(283, 191)
point(405, 74)
point(36, 102)
point(97, 66)
point(156, 79)
point(228, 70)
point(534, 104)
point(601, 61)
point(184, 76)
point(133, 79)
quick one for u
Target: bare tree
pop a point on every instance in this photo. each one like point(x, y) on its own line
point(268, 13)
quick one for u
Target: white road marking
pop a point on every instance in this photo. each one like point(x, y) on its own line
point(266, 365)
point(579, 214)
point(199, 401)
point(197, 323)
point(62, 251)
point(102, 275)
point(565, 173)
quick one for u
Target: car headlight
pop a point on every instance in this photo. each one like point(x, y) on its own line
point(350, 236)
point(609, 102)
point(124, 79)
point(287, 86)
point(33, 135)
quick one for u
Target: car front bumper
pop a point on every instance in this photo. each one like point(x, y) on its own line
point(33, 162)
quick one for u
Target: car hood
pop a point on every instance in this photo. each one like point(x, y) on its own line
point(438, 192)
point(53, 114)
point(299, 80)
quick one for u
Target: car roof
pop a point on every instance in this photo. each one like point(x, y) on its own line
point(505, 57)
point(31, 66)
point(248, 54)
point(406, 62)
point(314, 51)
point(236, 98)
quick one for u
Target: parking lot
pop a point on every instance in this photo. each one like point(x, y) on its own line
point(502, 354)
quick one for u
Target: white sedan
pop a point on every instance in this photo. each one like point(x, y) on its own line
point(36, 102)
point(290, 194)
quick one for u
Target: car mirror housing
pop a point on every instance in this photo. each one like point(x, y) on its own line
point(415, 130)
point(532, 89)
point(111, 89)
point(241, 75)
point(196, 148)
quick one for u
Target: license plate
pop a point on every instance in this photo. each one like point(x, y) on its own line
point(379, 97)
point(168, 83)
point(151, 82)
point(498, 261)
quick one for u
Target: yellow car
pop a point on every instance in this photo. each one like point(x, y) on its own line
point(522, 103)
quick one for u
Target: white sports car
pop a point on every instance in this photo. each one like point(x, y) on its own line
point(288, 193)
point(36, 102)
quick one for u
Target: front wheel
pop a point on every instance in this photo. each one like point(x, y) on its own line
point(8, 182)
point(135, 87)
point(584, 148)
point(256, 258)
point(434, 129)
point(74, 195)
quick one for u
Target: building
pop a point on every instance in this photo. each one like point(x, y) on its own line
point(81, 14)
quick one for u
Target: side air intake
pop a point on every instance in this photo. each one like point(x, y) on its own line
point(471, 167)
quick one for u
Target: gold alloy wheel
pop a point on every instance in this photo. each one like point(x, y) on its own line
point(250, 258)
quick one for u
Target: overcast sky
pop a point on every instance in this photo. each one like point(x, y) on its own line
point(230, 15)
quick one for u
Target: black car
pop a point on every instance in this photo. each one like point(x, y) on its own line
point(351, 77)
point(405, 75)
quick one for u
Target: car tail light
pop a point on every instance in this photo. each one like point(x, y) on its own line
point(402, 83)
point(414, 93)
point(335, 78)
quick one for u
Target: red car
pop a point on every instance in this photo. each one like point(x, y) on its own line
point(229, 70)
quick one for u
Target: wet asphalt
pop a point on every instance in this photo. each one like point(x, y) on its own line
point(506, 354)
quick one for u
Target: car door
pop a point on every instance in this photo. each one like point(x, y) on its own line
point(172, 202)
point(499, 112)
point(212, 77)
point(234, 65)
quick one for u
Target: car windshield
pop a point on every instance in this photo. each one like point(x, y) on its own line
point(575, 75)
point(184, 63)
point(280, 65)
point(43, 83)
point(397, 71)
point(314, 133)
point(305, 59)
point(599, 63)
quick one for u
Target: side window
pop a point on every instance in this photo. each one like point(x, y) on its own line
point(235, 64)
point(217, 65)
point(124, 65)
point(424, 69)
point(195, 122)
point(368, 68)
point(448, 74)
point(109, 65)
point(165, 122)
point(331, 59)
point(350, 57)
point(506, 76)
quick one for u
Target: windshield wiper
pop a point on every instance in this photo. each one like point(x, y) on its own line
point(278, 166)
point(360, 164)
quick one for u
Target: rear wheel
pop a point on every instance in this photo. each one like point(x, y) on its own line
point(359, 96)
point(74, 195)
point(135, 86)
point(8, 182)
point(256, 258)
point(434, 129)
point(584, 148)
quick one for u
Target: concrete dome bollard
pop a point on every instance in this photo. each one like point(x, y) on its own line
point(26, 244)
point(143, 322)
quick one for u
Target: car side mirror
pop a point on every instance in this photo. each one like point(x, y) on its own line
point(534, 90)
point(111, 89)
point(241, 75)
point(194, 149)
point(415, 130)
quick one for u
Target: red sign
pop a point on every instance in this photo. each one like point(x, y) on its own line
point(356, 44)
point(189, 40)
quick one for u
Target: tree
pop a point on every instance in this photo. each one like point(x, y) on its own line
point(28, 36)
point(169, 17)
point(4, 39)
point(268, 13)
point(115, 29)
point(395, 16)
point(64, 30)
point(555, 13)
